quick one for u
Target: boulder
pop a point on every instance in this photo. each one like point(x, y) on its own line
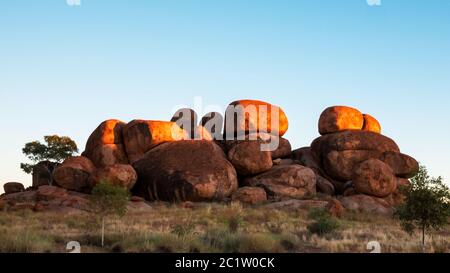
point(403, 165)
point(366, 204)
point(293, 181)
point(119, 175)
point(305, 157)
point(283, 162)
point(248, 159)
point(251, 116)
point(142, 135)
point(43, 173)
point(339, 153)
point(108, 132)
point(73, 174)
point(339, 118)
point(324, 186)
point(185, 171)
point(250, 195)
point(108, 154)
point(284, 149)
point(371, 124)
point(335, 208)
point(373, 177)
point(13, 187)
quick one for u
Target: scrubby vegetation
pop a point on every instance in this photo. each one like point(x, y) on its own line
point(208, 228)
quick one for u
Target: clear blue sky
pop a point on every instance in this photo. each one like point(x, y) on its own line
point(64, 69)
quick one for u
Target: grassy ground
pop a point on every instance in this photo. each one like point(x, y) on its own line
point(212, 228)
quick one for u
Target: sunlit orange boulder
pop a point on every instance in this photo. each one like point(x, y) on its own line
point(251, 116)
point(186, 119)
point(371, 124)
point(213, 122)
point(201, 133)
point(339, 118)
point(105, 145)
point(142, 135)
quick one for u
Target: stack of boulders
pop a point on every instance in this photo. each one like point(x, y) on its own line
point(364, 167)
point(240, 156)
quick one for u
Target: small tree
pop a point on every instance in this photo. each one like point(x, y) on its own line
point(107, 200)
point(56, 149)
point(426, 206)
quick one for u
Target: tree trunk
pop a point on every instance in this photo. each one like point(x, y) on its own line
point(103, 231)
point(423, 238)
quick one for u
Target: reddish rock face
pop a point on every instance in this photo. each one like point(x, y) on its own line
point(248, 159)
point(293, 181)
point(340, 164)
point(119, 175)
point(366, 204)
point(339, 118)
point(13, 187)
point(73, 174)
point(49, 193)
point(250, 195)
point(335, 208)
point(371, 124)
point(141, 135)
point(373, 177)
point(213, 123)
point(324, 186)
point(108, 154)
point(403, 165)
point(185, 171)
point(253, 113)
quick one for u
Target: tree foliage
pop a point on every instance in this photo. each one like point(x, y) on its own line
point(427, 204)
point(107, 200)
point(55, 149)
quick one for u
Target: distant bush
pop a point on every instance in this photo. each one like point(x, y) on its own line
point(323, 222)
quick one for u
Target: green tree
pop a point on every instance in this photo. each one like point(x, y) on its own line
point(55, 149)
point(108, 200)
point(426, 206)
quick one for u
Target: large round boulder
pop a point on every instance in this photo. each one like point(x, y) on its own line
point(73, 174)
point(142, 135)
point(373, 177)
point(108, 154)
point(185, 171)
point(13, 187)
point(119, 175)
point(252, 116)
point(339, 153)
point(403, 165)
point(284, 148)
point(339, 118)
point(291, 181)
point(249, 159)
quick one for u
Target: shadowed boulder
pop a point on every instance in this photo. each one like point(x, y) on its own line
point(185, 171)
point(248, 159)
point(403, 165)
point(373, 177)
point(13, 187)
point(119, 175)
point(73, 174)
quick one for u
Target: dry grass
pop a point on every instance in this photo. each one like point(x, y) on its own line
point(210, 228)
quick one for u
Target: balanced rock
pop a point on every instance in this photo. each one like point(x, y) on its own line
point(292, 181)
point(13, 187)
point(185, 171)
point(371, 124)
point(252, 116)
point(142, 135)
point(373, 177)
point(105, 145)
point(339, 153)
point(250, 195)
point(339, 118)
point(43, 173)
point(248, 159)
point(73, 174)
point(403, 165)
point(119, 175)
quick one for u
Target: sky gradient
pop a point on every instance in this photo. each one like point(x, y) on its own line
point(64, 69)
